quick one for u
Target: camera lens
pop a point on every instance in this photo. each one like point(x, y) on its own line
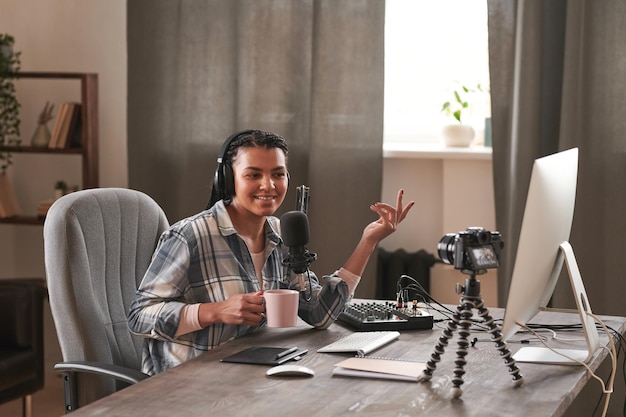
point(484, 237)
point(445, 248)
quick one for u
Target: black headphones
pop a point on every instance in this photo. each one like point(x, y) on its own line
point(223, 181)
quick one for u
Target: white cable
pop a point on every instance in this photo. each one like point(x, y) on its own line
point(612, 352)
point(566, 340)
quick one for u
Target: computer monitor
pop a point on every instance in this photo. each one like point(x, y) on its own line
point(542, 248)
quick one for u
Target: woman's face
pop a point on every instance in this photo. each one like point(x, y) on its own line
point(261, 182)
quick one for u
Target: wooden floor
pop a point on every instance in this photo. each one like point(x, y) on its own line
point(49, 401)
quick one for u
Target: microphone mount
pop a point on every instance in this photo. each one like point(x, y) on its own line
point(300, 264)
point(299, 267)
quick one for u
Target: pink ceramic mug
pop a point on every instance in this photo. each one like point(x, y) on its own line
point(281, 307)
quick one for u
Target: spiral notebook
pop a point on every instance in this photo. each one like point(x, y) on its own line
point(381, 368)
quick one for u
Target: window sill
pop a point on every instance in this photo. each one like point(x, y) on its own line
point(434, 151)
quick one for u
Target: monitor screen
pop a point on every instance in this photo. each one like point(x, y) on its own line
point(546, 224)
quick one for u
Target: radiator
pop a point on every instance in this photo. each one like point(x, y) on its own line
point(392, 265)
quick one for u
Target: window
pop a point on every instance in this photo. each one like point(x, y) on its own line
point(433, 47)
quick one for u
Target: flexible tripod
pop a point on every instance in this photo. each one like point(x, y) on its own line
point(470, 300)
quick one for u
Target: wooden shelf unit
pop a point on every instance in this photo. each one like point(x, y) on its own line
point(89, 148)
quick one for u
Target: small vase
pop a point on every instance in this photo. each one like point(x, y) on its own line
point(41, 137)
point(458, 135)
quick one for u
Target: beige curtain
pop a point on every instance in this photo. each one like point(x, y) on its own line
point(557, 81)
point(311, 71)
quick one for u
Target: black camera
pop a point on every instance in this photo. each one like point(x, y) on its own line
point(473, 250)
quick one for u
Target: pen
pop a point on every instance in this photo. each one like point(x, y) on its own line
point(286, 352)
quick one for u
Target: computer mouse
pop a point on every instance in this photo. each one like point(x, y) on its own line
point(290, 370)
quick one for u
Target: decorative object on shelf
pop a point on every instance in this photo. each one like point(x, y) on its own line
point(41, 137)
point(459, 134)
point(488, 134)
point(9, 106)
point(60, 188)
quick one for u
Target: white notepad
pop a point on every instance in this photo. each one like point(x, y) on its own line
point(380, 368)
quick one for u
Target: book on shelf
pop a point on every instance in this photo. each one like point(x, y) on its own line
point(10, 207)
point(58, 123)
point(75, 135)
point(67, 127)
point(380, 368)
point(70, 122)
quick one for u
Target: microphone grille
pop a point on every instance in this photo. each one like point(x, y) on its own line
point(294, 227)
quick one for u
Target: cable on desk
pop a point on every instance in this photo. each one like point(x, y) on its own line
point(621, 344)
point(420, 291)
point(402, 294)
point(607, 391)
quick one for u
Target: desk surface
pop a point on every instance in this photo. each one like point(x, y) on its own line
point(206, 386)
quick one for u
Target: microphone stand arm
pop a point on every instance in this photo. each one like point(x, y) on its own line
point(299, 264)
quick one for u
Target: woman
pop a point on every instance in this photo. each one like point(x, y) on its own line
point(204, 286)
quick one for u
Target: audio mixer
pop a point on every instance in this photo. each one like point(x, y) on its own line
point(375, 315)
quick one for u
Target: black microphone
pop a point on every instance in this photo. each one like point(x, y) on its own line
point(295, 233)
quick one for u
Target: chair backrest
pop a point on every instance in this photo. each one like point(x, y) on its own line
point(98, 244)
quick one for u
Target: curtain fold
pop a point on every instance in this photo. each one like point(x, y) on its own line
point(557, 79)
point(310, 70)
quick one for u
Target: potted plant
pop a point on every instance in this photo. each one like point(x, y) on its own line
point(60, 189)
point(9, 106)
point(459, 133)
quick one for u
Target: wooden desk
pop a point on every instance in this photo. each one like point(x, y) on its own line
point(206, 386)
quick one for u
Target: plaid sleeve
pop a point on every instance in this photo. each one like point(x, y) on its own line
point(155, 311)
point(326, 302)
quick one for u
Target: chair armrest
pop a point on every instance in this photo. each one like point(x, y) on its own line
point(130, 376)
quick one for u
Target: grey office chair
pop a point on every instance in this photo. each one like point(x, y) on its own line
point(98, 244)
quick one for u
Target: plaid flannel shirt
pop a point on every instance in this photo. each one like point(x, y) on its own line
point(202, 259)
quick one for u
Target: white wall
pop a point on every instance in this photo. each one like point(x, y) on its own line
point(451, 192)
point(90, 36)
point(71, 36)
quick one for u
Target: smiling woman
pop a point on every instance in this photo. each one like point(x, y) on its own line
point(206, 282)
point(430, 47)
point(260, 177)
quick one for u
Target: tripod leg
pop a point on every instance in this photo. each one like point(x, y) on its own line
point(501, 345)
point(435, 357)
point(465, 314)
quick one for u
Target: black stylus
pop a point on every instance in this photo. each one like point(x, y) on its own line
point(286, 352)
point(295, 355)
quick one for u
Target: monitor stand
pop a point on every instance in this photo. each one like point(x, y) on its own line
point(545, 355)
